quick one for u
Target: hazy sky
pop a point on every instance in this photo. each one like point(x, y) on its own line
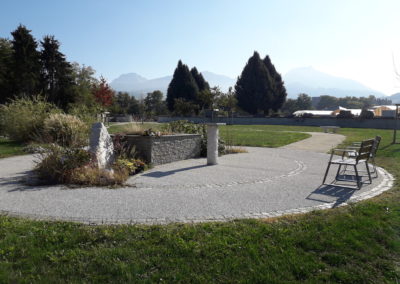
point(349, 38)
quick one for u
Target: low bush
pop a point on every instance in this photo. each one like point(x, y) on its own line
point(133, 166)
point(22, 119)
point(65, 130)
point(345, 114)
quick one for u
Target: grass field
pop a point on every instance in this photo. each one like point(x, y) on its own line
point(354, 244)
point(9, 148)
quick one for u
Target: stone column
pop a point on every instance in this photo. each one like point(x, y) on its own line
point(212, 143)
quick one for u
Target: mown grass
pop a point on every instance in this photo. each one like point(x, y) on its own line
point(354, 244)
point(260, 135)
point(10, 148)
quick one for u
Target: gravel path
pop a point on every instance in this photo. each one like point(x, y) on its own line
point(261, 183)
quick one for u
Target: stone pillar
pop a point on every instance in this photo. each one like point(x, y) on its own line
point(212, 143)
point(101, 145)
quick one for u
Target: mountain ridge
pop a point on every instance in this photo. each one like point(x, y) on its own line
point(299, 80)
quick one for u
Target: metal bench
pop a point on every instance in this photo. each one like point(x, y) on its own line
point(351, 158)
point(332, 128)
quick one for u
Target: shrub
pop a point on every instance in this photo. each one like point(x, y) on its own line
point(56, 164)
point(65, 130)
point(345, 114)
point(22, 119)
point(133, 166)
point(366, 114)
point(61, 165)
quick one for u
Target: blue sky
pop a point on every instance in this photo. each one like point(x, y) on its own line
point(349, 38)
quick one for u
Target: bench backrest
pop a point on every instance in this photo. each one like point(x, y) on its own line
point(364, 153)
point(376, 146)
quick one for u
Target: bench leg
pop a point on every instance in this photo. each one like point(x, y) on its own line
point(326, 173)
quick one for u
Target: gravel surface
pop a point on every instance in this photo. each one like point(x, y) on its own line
point(261, 183)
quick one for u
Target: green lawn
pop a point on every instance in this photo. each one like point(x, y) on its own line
point(354, 244)
point(10, 148)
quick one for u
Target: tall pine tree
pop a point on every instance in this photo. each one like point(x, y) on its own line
point(253, 87)
point(25, 63)
point(57, 79)
point(202, 84)
point(278, 89)
point(183, 86)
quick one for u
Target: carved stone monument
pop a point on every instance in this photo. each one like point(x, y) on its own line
point(101, 145)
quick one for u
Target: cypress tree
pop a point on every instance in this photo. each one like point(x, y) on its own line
point(182, 86)
point(202, 84)
point(253, 87)
point(57, 80)
point(278, 89)
point(25, 63)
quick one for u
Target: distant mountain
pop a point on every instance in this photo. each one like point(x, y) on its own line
point(139, 86)
point(315, 83)
point(395, 98)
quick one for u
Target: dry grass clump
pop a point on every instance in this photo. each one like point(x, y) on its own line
point(76, 166)
point(235, 150)
point(65, 130)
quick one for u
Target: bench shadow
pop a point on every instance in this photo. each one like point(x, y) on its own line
point(341, 193)
point(160, 174)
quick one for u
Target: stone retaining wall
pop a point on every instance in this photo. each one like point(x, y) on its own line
point(167, 148)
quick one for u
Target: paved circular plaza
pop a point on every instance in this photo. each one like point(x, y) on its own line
point(262, 183)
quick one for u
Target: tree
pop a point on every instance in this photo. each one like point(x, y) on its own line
point(227, 101)
point(103, 93)
point(304, 102)
point(182, 86)
point(25, 63)
point(253, 87)
point(278, 88)
point(184, 107)
point(123, 103)
point(154, 104)
point(57, 78)
point(5, 70)
point(328, 102)
point(202, 84)
point(290, 106)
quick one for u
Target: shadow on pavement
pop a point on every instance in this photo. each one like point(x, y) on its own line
point(331, 193)
point(160, 174)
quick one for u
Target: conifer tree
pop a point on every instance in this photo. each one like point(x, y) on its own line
point(183, 86)
point(25, 63)
point(278, 89)
point(5, 70)
point(202, 84)
point(57, 80)
point(253, 87)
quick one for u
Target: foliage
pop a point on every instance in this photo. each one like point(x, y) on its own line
point(86, 113)
point(345, 114)
point(122, 149)
point(154, 104)
point(25, 64)
point(57, 163)
point(103, 93)
point(75, 166)
point(253, 87)
point(22, 119)
point(366, 114)
point(10, 148)
point(182, 107)
point(202, 84)
point(182, 87)
point(57, 77)
point(132, 166)
point(123, 103)
point(278, 89)
point(331, 103)
point(65, 130)
point(6, 52)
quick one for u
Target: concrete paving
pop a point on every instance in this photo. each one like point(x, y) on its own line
point(318, 142)
point(262, 183)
